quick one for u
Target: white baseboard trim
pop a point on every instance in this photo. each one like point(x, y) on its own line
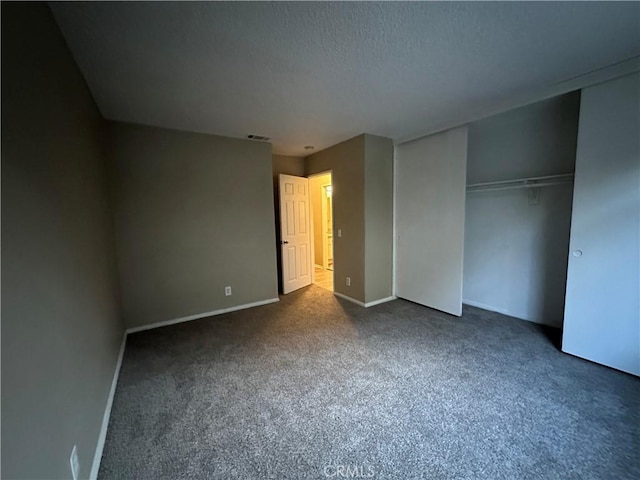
point(378, 302)
point(504, 311)
point(97, 457)
point(348, 299)
point(201, 315)
point(491, 308)
point(362, 304)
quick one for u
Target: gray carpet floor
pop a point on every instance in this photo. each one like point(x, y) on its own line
point(316, 387)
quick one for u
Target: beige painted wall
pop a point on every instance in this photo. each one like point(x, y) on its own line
point(194, 213)
point(288, 166)
point(61, 328)
point(346, 160)
point(315, 189)
point(378, 252)
point(362, 181)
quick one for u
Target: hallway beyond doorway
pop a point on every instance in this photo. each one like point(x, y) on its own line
point(321, 197)
point(324, 278)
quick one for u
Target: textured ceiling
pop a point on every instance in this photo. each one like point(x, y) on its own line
point(318, 73)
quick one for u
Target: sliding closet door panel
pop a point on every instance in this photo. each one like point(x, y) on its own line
point(602, 310)
point(430, 196)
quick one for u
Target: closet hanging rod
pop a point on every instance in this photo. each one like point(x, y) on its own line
point(531, 182)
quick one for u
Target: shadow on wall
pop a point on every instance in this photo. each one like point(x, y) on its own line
point(276, 206)
point(516, 254)
point(553, 334)
point(516, 249)
point(555, 230)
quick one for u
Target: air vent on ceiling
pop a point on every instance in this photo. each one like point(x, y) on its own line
point(259, 138)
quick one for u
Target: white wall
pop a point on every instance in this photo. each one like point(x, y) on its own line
point(602, 321)
point(515, 254)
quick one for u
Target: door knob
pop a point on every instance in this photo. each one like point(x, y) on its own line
point(285, 242)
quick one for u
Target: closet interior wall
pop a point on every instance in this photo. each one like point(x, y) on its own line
point(516, 245)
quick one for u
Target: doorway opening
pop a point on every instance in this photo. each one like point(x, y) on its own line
point(321, 190)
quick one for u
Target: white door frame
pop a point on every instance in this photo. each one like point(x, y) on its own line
point(313, 246)
point(325, 239)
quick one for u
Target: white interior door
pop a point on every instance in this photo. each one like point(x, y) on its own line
point(294, 232)
point(430, 197)
point(602, 309)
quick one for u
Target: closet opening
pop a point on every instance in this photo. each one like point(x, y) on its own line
point(519, 195)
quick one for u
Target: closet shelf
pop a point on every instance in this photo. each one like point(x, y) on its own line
point(531, 182)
